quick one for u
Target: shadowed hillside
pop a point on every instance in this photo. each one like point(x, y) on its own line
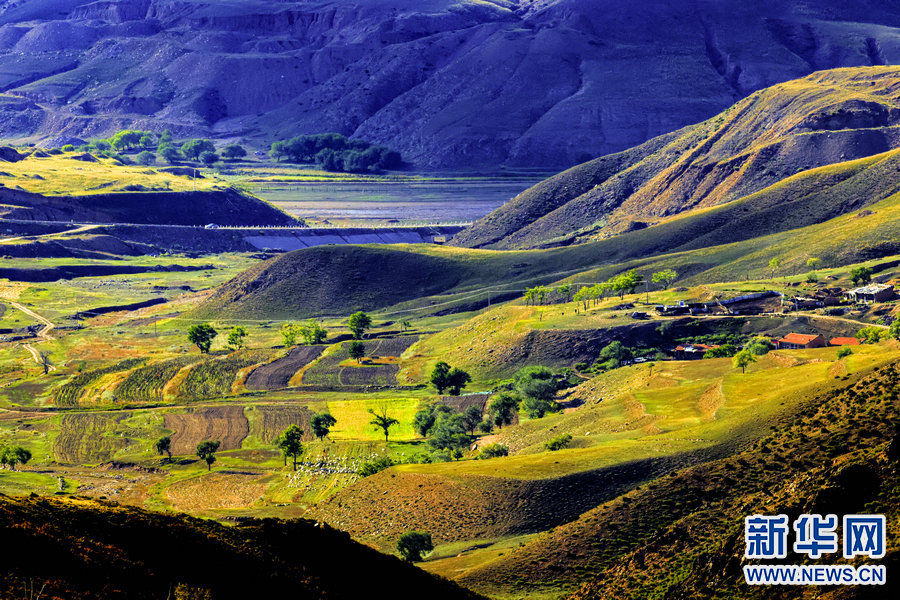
point(75, 548)
point(227, 207)
point(399, 72)
point(826, 118)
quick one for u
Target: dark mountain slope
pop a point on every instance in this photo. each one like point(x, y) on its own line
point(447, 82)
point(76, 548)
point(826, 118)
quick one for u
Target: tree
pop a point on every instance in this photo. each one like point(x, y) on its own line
point(871, 334)
point(381, 420)
point(723, 351)
point(666, 277)
point(565, 291)
point(146, 158)
point(493, 451)
point(356, 349)
point(413, 544)
point(613, 356)
point(894, 329)
point(405, 324)
point(502, 409)
point(472, 416)
point(559, 442)
point(535, 382)
point(146, 141)
point(440, 376)
point(278, 151)
point(321, 424)
point(202, 335)
point(773, 265)
point(165, 137)
point(813, 262)
point(192, 149)
point(164, 446)
point(313, 333)
point(289, 332)
point(290, 442)
point(207, 452)
point(536, 408)
point(424, 419)
point(742, 360)
point(457, 380)
point(861, 275)
point(236, 337)
point(169, 153)
point(358, 323)
point(13, 455)
point(209, 158)
point(759, 346)
point(449, 432)
point(233, 152)
point(125, 139)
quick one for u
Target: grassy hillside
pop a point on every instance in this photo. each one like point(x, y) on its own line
point(682, 535)
point(826, 118)
point(73, 547)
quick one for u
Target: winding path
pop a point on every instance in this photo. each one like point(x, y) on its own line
point(43, 333)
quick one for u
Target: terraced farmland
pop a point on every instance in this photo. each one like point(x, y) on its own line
point(70, 393)
point(270, 421)
point(215, 377)
point(277, 374)
point(333, 370)
point(145, 384)
point(227, 424)
point(86, 438)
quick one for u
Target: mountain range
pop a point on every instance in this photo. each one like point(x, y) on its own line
point(450, 84)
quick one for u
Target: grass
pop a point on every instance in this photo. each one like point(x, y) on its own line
point(353, 418)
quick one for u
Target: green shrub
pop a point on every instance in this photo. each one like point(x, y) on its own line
point(559, 442)
point(375, 466)
point(493, 451)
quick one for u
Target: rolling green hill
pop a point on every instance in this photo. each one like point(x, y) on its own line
point(829, 117)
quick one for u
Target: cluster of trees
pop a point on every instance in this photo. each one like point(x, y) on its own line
point(538, 294)
point(449, 431)
point(10, 456)
point(202, 335)
point(621, 284)
point(312, 332)
point(335, 152)
point(290, 441)
point(149, 146)
point(860, 275)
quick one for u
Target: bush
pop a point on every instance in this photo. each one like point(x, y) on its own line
point(493, 451)
point(209, 158)
point(146, 158)
point(68, 148)
point(233, 151)
point(559, 442)
point(723, 351)
point(375, 466)
point(760, 346)
point(844, 351)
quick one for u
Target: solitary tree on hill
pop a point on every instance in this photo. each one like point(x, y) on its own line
point(164, 446)
point(202, 335)
point(358, 323)
point(666, 277)
point(440, 376)
point(381, 420)
point(290, 442)
point(207, 452)
point(742, 360)
point(457, 380)
point(773, 265)
point(321, 424)
point(357, 350)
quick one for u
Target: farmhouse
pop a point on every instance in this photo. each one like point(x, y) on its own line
point(843, 341)
point(692, 351)
point(793, 341)
point(874, 292)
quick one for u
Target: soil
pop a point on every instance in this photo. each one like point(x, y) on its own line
point(277, 374)
point(227, 424)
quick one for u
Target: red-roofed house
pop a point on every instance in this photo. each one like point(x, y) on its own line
point(843, 341)
point(793, 341)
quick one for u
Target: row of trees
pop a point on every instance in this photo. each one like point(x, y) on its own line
point(312, 332)
point(149, 145)
point(335, 152)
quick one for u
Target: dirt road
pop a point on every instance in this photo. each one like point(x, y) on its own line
point(43, 333)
